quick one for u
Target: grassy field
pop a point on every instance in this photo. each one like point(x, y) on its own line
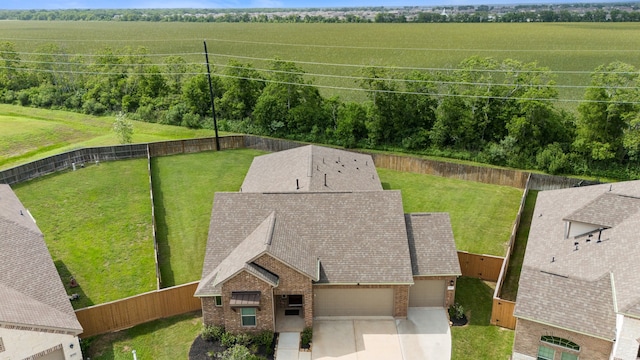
point(97, 225)
point(482, 215)
point(184, 186)
point(165, 339)
point(479, 339)
point(560, 46)
point(510, 285)
point(29, 134)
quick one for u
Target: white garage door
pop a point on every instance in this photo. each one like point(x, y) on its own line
point(427, 293)
point(353, 302)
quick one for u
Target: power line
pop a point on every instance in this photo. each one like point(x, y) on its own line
point(469, 96)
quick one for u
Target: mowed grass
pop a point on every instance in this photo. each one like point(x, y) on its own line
point(512, 278)
point(96, 223)
point(560, 46)
point(482, 215)
point(29, 134)
point(164, 339)
point(184, 186)
point(478, 339)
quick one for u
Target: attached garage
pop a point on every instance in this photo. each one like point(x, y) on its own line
point(353, 302)
point(56, 355)
point(426, 293)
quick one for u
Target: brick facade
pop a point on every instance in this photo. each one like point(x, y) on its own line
point(264, 316)
point(290, 282)
point(527, 341)
point(400, 301)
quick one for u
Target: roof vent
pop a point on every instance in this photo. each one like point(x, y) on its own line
point(325, 179)
point(297, 185)
point(21, 213)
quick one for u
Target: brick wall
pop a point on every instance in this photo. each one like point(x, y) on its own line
point(400, 301)
point(211, 314)
point(290, 282)
point(264, 316)
point(527, 341)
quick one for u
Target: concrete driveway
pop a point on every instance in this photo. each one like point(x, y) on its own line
point(424, 335)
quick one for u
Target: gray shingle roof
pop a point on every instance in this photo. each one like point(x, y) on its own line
point(344, 170)
point(358, 237)
point(569, 303)
point(31, 292)
point(431, 244)
point(548, 250)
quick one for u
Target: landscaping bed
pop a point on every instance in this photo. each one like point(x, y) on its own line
point(215, 343)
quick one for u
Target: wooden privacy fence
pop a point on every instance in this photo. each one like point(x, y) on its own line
point(485, 267)
point(187, 146)
point(67, 160)
point(502, 313)
point(139, 309)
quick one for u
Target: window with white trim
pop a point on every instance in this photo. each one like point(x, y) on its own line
point(568, 356)
point(248, 316)
point(218, 300)
point(554, 340)
point(545, 353)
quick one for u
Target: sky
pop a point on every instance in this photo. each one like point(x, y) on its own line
point(232, 4)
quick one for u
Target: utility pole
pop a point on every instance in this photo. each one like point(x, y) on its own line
point(213, 106)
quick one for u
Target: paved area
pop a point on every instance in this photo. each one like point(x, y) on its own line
point(288, 344)
point(424, 335)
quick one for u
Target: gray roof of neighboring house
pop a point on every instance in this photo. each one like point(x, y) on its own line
point(570, 303)
point(31, 292)
point(548, 250)
point(358, 237)
point(431, 244)
point(308, 165)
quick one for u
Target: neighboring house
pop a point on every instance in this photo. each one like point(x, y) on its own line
point(579, 294)
point(313, 233)
point(36, 317)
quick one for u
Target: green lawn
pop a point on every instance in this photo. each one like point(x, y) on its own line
point(29, 134)
point(184, 186)
point(510, 285)
point(96, 222)
point(482, 215)
point(165, 339)
point(478, 339)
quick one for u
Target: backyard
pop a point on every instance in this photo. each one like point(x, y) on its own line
point(183, 187)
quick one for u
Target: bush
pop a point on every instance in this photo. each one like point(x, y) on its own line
point(237, 352)
point(212, 332)
point(243, 339)
point(264, 338)
point(307, 335)
point(456, 311)
point(227, 340)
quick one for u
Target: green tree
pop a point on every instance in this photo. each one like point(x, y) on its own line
point(123, 128)
point(243, 86)
point(609, 108)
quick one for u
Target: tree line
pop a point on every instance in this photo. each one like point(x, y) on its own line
point(483, 13)
point(498, 112)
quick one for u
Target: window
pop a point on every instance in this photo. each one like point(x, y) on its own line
point(248, 316)
point(218, 300)
point(545, 353)
point(567, 356)
point(554, 340)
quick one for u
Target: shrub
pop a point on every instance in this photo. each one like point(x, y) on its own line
point(307, 335)
point(237, 352)
point(456, 311)
point(243, 339)
point(264, 338)
point(212, 332)
point(227, 340)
